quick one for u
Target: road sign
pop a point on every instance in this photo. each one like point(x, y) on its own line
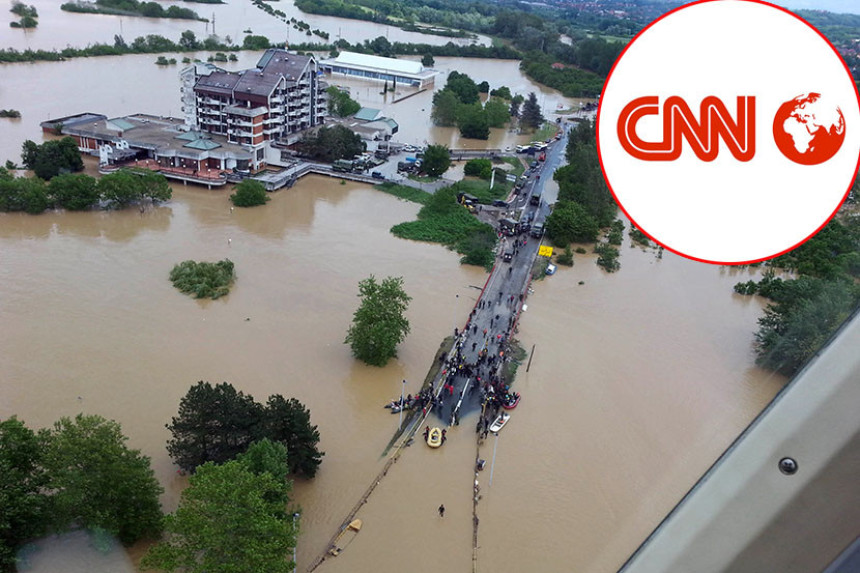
point(545, 251)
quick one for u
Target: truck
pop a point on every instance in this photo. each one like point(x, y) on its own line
point(343, 165)
point(535, 198)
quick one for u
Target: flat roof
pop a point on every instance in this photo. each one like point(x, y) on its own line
point(377, 62)
point(162, 134)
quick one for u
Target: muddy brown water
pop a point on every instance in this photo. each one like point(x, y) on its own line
point(639, 379)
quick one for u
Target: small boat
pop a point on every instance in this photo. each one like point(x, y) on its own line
point(345, 537)
point(511, 400)
point(434, 437)
point(500, 422)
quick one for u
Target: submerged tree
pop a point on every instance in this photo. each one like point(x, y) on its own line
point(231, 519)
point(219, 423)
point(378, 325)
point(22, 490)
point(98, 481)
point(215, 424)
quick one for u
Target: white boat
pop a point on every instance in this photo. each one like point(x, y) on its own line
point(500, 422)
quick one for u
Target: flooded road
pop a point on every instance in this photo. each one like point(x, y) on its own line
point(639, 379)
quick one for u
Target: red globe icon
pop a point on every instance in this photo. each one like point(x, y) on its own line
point(808, 129)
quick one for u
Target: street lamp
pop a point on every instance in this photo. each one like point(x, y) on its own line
point(493, 464)
point(296, 541)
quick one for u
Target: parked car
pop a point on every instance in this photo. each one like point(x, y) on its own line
point(499, 203)
point(377, 175)
point(533, 164)
point(537, 230)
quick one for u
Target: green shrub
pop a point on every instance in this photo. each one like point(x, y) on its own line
point(249, 193)
point(203, 280)
point(608, 259)
point(566, 258)
point(482, 168)
point(616, 232)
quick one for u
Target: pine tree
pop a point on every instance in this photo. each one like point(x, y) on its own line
point(531, 116)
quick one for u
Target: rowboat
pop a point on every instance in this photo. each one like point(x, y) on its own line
point(345, 537)
point(500, 422)
point(511, 402)
point(434, 437)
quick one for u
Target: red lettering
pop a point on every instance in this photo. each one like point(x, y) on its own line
point(679, 123)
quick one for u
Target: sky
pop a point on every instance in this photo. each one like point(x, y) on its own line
point(838, 6)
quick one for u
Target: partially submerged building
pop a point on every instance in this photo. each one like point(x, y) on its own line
point(232, 121)
point(404, 72)
point(280, 98)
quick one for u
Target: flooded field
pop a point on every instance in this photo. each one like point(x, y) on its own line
point(639, 379)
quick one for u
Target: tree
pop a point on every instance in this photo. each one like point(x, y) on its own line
point(267, 456)
point(74, 191)
point(463, 87)
point(332, 143)
point(188, 41)
point(484, 87)
point(482, 168)
point(806, 313)
point(570, 222)
point(22, 490)
point(472, 121)
point(428, 61)
point(97, 481)
point(203, 279)
point(152, 185)
point(503, 92)
point(531, 116)
point(340, 104)
point(256, 43)
point(437, 160)
point(215, 424)
point(122, 188)
point(378, 325)
point(497, 111)
point(445, 104)
point(230, 519)
point(249, 193)
point(288, 422)
point(516, 102)
point(52, 157)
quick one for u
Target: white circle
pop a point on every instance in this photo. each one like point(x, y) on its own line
point(726, 211)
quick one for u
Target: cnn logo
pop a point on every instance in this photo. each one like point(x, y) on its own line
point(729, 152)
point(806, 129)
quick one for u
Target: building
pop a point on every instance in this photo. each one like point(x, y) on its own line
point(161, 144)
point(279, 98)
point(404, 72)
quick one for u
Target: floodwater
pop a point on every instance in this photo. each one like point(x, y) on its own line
point(123, 85)
point(58, 29)
point(639, 379)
